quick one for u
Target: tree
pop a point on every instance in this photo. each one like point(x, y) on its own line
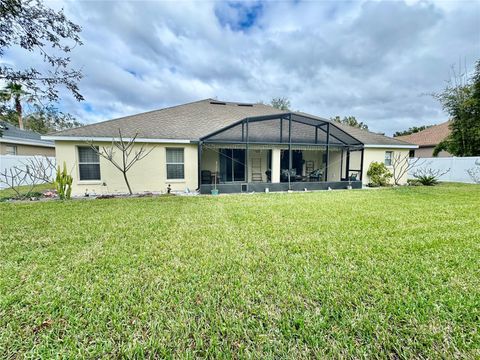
point(461, 100)
point(402, 164)
point(126, 148)
point(281, 103)
point(411, 130)
point(14, 92)
point(34, 27)
point(350, 121)
point(45, 119)
point(39, 118)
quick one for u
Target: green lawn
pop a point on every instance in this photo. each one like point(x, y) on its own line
point(383, 273)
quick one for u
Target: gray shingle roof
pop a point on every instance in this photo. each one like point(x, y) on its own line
point(11, 132)
point(370, 138)
point(189, 121)
point(195, 120)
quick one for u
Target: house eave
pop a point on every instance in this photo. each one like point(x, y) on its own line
point(382, 146)
point(40, 143)
point(109, 139)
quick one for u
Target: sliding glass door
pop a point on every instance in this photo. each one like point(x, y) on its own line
point(232, 165)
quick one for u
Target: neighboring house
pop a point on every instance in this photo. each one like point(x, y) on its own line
point(234, 147)
point(15, 141)
point(427, 140)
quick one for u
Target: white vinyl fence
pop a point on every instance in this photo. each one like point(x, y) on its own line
point(458, 167)
point(8, 162)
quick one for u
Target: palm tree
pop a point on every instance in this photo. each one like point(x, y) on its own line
point(14, 92)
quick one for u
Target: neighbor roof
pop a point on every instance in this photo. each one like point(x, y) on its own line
point(195, 120)
point(364, 136)
point(429, 137)
point(15, 135)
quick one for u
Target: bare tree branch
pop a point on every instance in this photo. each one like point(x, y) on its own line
point(474, 172)
point(402, 164)
point(126, 147)
point(32, 172)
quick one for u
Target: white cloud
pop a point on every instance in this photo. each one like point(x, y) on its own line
point(374, 60)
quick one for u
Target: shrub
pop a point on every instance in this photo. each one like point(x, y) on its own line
point(378, 174)
point(429, 177)
point(63, 183)
point(427, 180)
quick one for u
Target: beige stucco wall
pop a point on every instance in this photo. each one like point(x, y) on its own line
point(27, 150)
point(378, 155)
point(426, 152)
point(149, 174)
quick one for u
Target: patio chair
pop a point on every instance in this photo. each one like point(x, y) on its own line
point(206, 177)
point(315, 175)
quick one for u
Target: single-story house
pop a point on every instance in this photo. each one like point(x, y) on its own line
point(235, 147)
point(15, 141)
point(427, 140)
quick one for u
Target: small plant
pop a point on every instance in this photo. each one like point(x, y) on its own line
point(63, 183)
point(413, 182)
point(428, 176)
point(378, 174)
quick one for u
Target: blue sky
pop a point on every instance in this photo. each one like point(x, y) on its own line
point(375, 60)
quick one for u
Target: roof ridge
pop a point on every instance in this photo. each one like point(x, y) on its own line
point(142, 113)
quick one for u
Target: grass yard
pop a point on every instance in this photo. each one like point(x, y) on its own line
point(367, 274)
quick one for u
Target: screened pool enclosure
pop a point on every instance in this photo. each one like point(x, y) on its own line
point(288, 151)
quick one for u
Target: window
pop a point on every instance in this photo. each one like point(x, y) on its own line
point(175, 164)
point(388, 158)
point(89, 163)
point(11, 150)
point(411, 153)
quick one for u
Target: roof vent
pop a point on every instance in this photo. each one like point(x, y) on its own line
point(249, 105)
point(217, 103)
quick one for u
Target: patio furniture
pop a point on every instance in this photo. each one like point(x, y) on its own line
point(293, 175)
point(315, 175)
point(206, 177)
point(215, 178)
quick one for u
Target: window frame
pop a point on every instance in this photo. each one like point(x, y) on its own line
point(88, 163)
point(14, 147)
point(390, 159)
point(174, 163)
